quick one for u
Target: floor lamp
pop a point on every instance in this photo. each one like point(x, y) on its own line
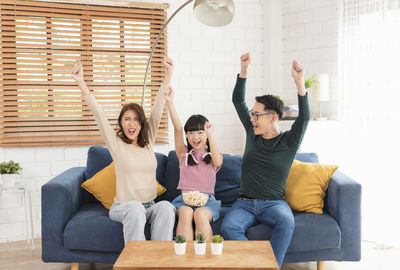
point(208, 12)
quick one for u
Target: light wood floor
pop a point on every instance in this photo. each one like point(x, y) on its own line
point(19, 256)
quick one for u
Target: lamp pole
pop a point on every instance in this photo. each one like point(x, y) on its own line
point(155, 44)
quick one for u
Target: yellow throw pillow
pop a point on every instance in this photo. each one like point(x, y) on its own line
point(306, 185)
point(102, 186)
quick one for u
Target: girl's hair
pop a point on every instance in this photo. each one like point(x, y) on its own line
point(195, 123)
point(143, 137)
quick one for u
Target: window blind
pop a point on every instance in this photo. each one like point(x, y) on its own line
point(40, 104)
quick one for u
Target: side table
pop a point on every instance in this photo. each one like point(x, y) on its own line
point(24, 190)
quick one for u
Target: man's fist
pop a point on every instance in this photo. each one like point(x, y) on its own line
point(245, 60)
point(297, 72)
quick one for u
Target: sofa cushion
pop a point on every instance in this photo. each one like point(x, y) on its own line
point(228, 180)
point(306, 185)
point(307, 157)
point(98, 157)
point(312, 232)
point(103, 186)
point(91, 229)
point(171, 177)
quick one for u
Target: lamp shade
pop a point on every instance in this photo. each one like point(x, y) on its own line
point(214, 12)
point(321, 88)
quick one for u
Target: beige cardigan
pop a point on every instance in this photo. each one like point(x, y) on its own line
point(135, 167)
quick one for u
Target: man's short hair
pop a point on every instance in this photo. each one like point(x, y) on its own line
point(271, 103)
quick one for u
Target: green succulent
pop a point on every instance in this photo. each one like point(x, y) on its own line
point(180, 238)
point(310, 82)
point(200, 238)
point(10, 167)
point(217, 239)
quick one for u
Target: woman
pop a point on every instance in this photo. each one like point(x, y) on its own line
point(131, 148)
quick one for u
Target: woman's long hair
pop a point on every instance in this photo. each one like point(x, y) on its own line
point(195, 123)
point(143, 137)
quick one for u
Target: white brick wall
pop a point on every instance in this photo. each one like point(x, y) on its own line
point(206, 60)
point(310, 35)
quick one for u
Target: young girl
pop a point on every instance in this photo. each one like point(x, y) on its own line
point(131, 148)
point(199, 162)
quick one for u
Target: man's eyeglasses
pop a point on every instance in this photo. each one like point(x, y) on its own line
point(256, 115)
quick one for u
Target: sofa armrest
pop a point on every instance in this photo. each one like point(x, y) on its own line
point(61, 199)
point(343, 203)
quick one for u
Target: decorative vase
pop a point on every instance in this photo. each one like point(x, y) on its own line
point(200, 248)
point(180, 248)
point(216, 248)
point(8, 179)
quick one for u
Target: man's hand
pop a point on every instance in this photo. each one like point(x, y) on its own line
point(169, 94)
point(298, 76)
point(245, 60)
point(77, 73)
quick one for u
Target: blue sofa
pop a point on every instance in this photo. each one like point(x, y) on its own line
point(76, 227)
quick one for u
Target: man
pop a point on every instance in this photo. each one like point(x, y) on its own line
point(267, 159)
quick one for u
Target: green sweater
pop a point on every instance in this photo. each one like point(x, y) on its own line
point(266, 162)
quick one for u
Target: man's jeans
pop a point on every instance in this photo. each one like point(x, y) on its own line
point(246, 213)
point(133, 215)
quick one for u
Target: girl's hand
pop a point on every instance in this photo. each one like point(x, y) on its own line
point(208, 128)
point(169, 94)
point(77, 72)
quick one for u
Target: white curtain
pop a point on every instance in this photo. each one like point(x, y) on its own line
point(369, 79)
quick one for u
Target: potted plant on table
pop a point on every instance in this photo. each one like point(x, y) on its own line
point(310, 82)
point(9, 171)
point(180, 244)
point(217, 244)
point(200, 244)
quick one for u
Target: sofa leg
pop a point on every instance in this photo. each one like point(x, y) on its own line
point(74, 266)
point(320, 265)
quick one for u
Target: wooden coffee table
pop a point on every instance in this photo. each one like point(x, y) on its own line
point(141, 255)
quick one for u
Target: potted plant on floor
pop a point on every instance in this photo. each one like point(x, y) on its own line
point(9, 171)
point(180, 244)
point(200, 244)
point(217, 244)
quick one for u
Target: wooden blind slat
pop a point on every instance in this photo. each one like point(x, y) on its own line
point(40, 103)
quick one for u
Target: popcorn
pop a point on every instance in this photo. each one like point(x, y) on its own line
point(194, 198)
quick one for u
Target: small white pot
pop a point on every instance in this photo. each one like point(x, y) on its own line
point(180, 248)
point(9, 179)
point(200, 248)
point(216, 248)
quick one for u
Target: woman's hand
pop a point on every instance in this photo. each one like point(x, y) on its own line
point(77, 73)
point(169, 64)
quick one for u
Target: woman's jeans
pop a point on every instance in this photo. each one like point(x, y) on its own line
point(246, 213)
point(134, 215)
